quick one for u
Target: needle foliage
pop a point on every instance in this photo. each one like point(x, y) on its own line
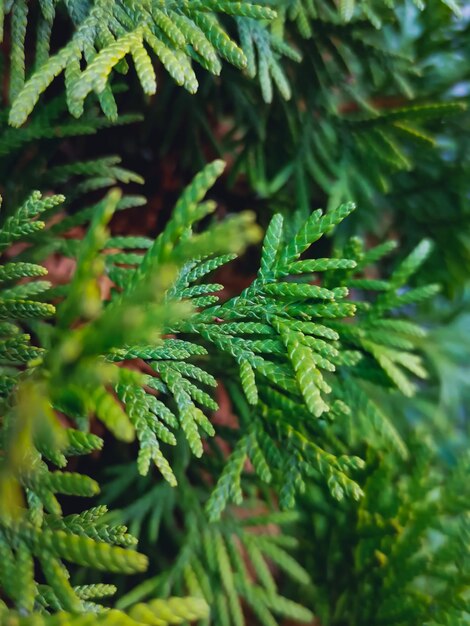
point(264, 403)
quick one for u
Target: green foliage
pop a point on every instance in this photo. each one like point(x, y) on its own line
point(407, 543)
point(77, 382)
point(72, 376)
point(285, 334)
point(283, 436)
point(106, 33)
point(227, 563)
point(170, 611)
point(378, 117)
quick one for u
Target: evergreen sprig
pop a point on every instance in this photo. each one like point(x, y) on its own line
point(105, 33)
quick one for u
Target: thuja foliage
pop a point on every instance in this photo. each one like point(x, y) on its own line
point(291, 450)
